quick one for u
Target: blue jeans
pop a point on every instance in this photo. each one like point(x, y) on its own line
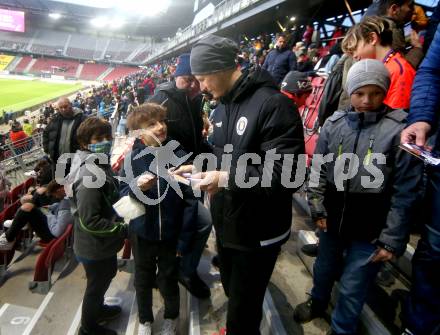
point(423, 308)
point(190, 261)
point(348, 262)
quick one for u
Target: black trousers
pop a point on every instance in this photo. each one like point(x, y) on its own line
point(36, 219)
point(245, 276)
point(155, 260)
point(99, 276)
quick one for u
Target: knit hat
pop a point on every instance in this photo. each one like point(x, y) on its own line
point(213, 54)
point(367, 72)
point(183, 67)
point(296, 82)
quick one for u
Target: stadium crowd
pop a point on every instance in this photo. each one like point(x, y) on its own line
point(223, 100)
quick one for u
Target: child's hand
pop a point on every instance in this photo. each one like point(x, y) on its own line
point(182, 169)
point(146, 181)
point(322, 224)
point(382, 255)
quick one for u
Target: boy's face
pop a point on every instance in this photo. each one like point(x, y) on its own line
point(156, 132)
point(367, 98)
point(365, 49)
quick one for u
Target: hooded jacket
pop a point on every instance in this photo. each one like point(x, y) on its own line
point(279, 63)
point(173, 219)
point(184, 116)
point(98, 234)
point(255, 118)
point(52, 134)
point(365, 207)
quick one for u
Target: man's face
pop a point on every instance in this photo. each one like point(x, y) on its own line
point(402, 14)
point(184, 82)
point(65, 108)
point(215, 84)
point(367, 98)
point(281, 42)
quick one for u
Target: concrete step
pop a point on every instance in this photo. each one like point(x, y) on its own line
point(381, 313)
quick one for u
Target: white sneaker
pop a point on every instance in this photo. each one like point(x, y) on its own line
point(145, 328)
point(7, 223)
point(169, 327)
point(4, 244)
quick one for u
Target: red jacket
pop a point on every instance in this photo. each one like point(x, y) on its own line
point(18, 136)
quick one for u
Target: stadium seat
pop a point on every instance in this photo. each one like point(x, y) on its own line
point(28, 183)
point(309, 115)
point(126, 263)
point(16, 193)
point(54, 251)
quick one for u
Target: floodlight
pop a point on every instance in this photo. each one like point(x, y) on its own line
point(55, 16)
point(99, 22)
point(293, 18)
point(116, 23)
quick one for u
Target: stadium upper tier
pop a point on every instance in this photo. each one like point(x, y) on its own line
point(55, 43)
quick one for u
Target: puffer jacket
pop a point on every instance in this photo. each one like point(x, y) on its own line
point(174, 217)
point(365, 207)
point(52, 134)
point(98, 233)
point(425, 98)
point(255, 118)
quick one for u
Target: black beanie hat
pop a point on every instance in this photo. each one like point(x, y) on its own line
point(213, 54)
point(296, 82)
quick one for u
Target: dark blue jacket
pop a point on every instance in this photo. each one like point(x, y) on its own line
point(173, 218)
point(279, 63)
point(425, 98)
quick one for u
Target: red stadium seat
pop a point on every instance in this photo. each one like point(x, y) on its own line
point(54, 251)
point(28, 183)
point(126, 263)
point(309, 115)
point(17, 192)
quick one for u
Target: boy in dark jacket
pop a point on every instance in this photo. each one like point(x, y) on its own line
point(360, 196)
point(98, 235)
point(163, 232)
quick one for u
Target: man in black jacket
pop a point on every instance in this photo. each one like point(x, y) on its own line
point(184, 105)
point(59, 137)
point(256, 132)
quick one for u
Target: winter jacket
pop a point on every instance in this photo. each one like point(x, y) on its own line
point(52, 134)
point(184, 117)
point(59, 217)
point(254, 118)
point(379, 212)
point(425, 98)
point(174, 218)
point(18, 139)
point(279, 63)
point(98, 235)
point(332, 92)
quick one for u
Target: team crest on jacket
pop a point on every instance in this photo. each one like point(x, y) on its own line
point(241, 125)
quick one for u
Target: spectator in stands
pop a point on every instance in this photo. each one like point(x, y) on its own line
point(373, 38)
point(98, 236)
point(166, 229)
point(59, 137)
point(307, 36)
point(333, 57)
point(297, 87)
point(400, 12)
point(354, 238)
point(304, 64)
point(5, 185)
point(248, 246)
point(43, 171)
point(19, 139)
point(423, 309)
point(280, 60)
point(184, 105)
point(47, 226)
point(27, 127)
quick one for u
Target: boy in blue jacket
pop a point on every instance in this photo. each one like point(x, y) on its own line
point(162, 234)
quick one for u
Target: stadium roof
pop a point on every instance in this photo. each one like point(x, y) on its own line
point(158, 18)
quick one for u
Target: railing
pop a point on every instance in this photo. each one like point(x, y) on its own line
point(223, 10)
